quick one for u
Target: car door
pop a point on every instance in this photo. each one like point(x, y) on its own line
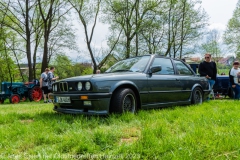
point(163, 86)
point(186, 78)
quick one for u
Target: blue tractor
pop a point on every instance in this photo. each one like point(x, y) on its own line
point(19, 91)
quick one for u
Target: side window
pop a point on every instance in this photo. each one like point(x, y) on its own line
point(182, 69)
point(167, 67)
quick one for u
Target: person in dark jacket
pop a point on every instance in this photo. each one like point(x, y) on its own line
point(208, 69)
point(234, 77)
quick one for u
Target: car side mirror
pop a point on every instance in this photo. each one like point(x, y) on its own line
point(154, 69)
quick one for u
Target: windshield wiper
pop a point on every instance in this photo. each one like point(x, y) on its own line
point(122, 70)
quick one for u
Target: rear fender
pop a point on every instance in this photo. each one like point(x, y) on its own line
point(194, 86)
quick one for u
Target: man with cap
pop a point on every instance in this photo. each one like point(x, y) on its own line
point(234, 77)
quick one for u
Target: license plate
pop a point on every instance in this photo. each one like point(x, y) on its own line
point(63, 99)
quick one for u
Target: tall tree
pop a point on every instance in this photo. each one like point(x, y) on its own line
point(232, 35)
point(19, 14)
point(61, 40)
point(130, 17)
point(185, 22)
point(51, 13)
point(8, 43)
point(212, 45)
point(88, 11)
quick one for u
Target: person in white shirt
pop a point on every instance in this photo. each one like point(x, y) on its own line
point(234, 77)
point(44, 84)
point(52, 79)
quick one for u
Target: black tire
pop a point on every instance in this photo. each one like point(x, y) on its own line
point(14, 99)
point(123, 100)
point(197, 96)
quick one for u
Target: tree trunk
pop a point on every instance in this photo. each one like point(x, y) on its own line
point(45, 51)
point(92, 57)
point(182, 29)
point(28, 45)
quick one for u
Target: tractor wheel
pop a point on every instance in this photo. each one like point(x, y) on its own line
point(14, 99)
point(1, 101)
point(35, 94)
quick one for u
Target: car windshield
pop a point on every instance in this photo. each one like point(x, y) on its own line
point(136, 64)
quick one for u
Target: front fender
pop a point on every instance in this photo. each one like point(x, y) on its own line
point(121, 83)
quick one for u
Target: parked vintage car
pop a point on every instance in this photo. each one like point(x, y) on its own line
point(142, 82)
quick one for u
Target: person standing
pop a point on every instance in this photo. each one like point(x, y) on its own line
point(234, 77)
point(208, 69)
point(51, 80)
point(44, 84)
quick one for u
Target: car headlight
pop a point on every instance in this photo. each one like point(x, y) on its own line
point(87, 86)
point(79, 86)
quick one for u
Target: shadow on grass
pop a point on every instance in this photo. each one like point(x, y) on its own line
point(103, 119)
point(50, 116)
point(71, 118)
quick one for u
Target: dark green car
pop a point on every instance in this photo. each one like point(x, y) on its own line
point(142, 82)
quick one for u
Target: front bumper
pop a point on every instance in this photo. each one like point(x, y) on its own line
point(97, 103)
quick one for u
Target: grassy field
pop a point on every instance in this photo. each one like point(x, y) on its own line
point(32, 130)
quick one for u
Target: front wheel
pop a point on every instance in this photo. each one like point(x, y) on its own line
point(124, 100)
point(197, 96)
point(14, 99)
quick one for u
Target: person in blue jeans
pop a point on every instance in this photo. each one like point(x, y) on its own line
point(234, 77)
point(208, 69)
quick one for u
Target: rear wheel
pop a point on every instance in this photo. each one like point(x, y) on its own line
point(14, 99)
point(35, 94)
point(124, 100)
point(197, 96)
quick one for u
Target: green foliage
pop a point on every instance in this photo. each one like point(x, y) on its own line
point(231, 35)
point(170, 28)
point(207, 131)
point(212, 44)
point(87, 71)
point(8, 68)
point(63, 66)
point(66, 68)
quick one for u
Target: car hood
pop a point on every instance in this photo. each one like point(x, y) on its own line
point(103, 76)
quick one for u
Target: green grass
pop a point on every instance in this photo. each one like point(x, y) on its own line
point(31, 130)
